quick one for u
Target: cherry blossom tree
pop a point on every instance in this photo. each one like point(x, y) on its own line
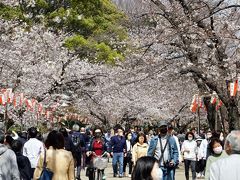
point(198, 38)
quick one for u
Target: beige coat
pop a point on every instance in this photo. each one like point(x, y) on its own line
point(139, 151)
point(59, 161)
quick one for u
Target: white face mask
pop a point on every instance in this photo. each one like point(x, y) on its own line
point(190, 138)
point(218, 150)
point(221, 138)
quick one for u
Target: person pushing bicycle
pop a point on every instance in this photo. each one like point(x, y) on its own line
point(96, 148)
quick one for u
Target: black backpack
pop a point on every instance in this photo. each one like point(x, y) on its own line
point(76, 139)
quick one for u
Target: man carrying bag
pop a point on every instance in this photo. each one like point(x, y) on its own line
point(164, 148)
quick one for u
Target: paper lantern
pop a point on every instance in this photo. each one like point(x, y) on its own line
point(233, 88)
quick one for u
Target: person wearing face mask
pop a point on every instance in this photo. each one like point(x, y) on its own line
point(189, 150)
point(163, 147)
point(128, 155)
point(97, 147)
point(217, 152)
point(228, 167)
point(118, 147)
point(204, 150)
point(199, 163)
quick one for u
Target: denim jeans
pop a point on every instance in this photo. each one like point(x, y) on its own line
point(168, 173)
point(117, 158)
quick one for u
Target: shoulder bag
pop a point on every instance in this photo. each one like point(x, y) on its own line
point(46, 174)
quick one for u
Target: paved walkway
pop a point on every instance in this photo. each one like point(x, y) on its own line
point(109, 174)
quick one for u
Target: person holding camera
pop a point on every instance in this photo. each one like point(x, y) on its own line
point(189, 150)
point(164, 148)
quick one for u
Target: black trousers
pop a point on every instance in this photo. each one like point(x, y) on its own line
point(188, 164)
point(200, 165)
point(127, 160)
point(90, 173)
point(32, 172)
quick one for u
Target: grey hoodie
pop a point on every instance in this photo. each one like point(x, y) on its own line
point(8, 164)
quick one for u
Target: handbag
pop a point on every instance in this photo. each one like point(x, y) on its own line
point(46, 174)
point(129, 153)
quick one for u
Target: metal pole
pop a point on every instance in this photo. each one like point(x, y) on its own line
point(198, 120)
point(216, 120)
point(6, 117)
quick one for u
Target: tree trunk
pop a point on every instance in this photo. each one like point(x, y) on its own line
point(211, 111)
point(233, 115)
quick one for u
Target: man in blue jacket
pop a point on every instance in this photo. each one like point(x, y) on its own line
point(118, 146)
point(163, 147)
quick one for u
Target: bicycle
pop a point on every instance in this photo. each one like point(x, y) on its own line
point(99, 164)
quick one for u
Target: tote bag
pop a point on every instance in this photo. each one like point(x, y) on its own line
point(46, 174)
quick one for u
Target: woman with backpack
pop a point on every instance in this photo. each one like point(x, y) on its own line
point(97, 147)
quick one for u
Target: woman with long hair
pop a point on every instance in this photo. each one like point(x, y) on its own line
point(147, 168)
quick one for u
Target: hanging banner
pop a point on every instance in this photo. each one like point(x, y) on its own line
point(200, 102)
point(21, 99)
point(238, 84)
point(7, 96)
point(194, 104)
point(213, 99)
point(34, 103)
point(219, 104)
point(10, 95)
point(3, 99)
point(233, 88)
point(48, 114)
point(29, 105)
point(40, 108)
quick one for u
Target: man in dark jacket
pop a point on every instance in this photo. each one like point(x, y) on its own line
point(78, 142)
point(23, 162)
point(8, 162)
point(118, 147)
point(68, 144)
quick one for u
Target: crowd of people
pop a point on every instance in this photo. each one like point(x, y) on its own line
point(137, 154)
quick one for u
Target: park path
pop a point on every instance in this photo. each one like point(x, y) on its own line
point(109, 174)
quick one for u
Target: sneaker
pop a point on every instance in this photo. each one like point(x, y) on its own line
point(129, 175)
point(104, 177)
point(198, 175)
point(114, 175)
